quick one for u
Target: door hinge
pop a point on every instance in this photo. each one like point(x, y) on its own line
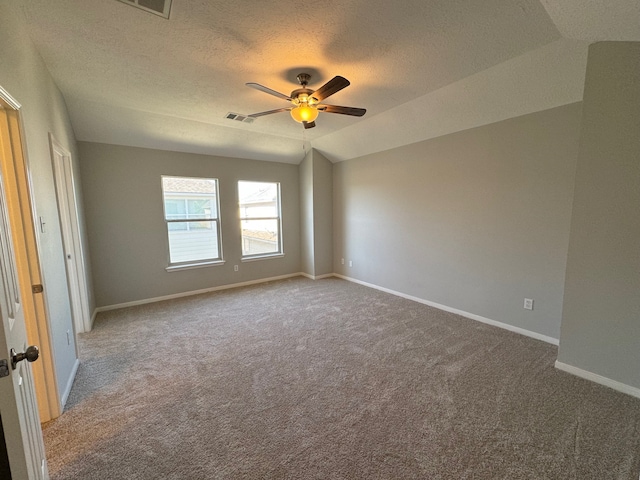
point(4, 368)
point(37, 288)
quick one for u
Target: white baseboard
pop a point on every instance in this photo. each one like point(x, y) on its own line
point(317, 277)
point(194, 292)
point(594, 377)
point(67, 388)
point(473, 316)
point(326, 275)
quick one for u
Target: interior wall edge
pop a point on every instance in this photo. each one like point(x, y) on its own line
point(600, 331)
point(67, 390)
point(594, 377)
point(93, 316)
point(318, 277)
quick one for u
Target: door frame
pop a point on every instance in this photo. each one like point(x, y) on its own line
point(21, 205)
point(20, 415)
point(70, 229)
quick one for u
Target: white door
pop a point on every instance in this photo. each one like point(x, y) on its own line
point(70, 226)
point(18, 409)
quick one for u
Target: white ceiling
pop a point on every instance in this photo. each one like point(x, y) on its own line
point(421, 68)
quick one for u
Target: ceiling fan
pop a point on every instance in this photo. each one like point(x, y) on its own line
point(306, 102)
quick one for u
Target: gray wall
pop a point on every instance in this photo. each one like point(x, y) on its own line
point(24, 75)
point(316, 207)
point(127, 232)
point(307, 264)
point(476, 220)
point(601, 317)
point(322, 214)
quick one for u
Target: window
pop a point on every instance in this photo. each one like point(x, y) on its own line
point(191, 214)
point(260, 218)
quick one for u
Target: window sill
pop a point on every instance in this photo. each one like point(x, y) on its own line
point(189, 266)
point(262, 257)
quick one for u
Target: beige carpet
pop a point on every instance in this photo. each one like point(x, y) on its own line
point(329, 380)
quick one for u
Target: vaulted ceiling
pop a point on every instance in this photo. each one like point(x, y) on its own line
point(421, 68)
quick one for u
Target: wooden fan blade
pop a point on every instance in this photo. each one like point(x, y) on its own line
point(356, 112)
point(269, 112)
point(308, 124)
point(268, 90)
point(332, 86)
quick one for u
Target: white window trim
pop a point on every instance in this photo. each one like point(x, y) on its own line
point(191, 266)
point(263, 256)
point(207, 262)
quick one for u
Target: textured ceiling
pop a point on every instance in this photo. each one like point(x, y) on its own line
point(420, 68)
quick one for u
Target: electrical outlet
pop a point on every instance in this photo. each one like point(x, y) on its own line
point(528, 303)
point(342, 261)
point(235, 268)
point(351, 263)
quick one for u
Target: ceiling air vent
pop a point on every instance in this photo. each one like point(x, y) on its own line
point(239, 118)
point(159, 7)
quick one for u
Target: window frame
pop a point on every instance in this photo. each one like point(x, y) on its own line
point(278, 218)
point(205, 262)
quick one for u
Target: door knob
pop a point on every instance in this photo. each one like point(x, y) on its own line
point(30, 355)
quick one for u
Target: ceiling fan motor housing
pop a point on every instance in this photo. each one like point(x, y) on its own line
point(303, 95)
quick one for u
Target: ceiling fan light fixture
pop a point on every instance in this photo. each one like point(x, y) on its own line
point(307, 103)
point(304, 113)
